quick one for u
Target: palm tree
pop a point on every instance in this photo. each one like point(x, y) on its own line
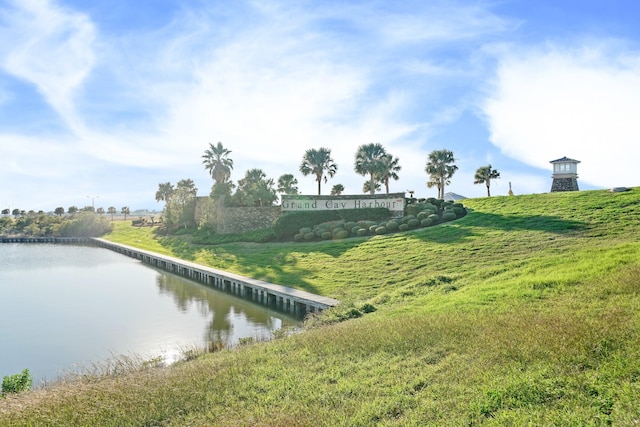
point(484, 175)
point(112, 211)
point(188, 185)
point(165, 190)
point(318, 162)
point(390, 170)
point(217, 162)
point(440, 168)
point(369, 161)
point(337, 190)
point(125, 211)
point(287, 184)
point(366, 187)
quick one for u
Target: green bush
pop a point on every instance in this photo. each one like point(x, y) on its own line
point(403, 227)
point(413, 222)
point(290, 223)
point(392, 225)
point(458, 211)
point(374, 214)
point(298, 237)
point(305, 230)
point(367, 308)
point(326, 235)
point(362, 232)
point(422, 215)
point(341, 234)
point(309, 236)
point(17, 383)
point(407, 218)
point(448, 216)
point(435, 218)
point(381, 230)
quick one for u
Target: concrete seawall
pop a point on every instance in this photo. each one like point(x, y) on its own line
point(73, 240)
point(283, 298)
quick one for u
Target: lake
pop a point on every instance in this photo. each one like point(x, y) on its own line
point(66, 308)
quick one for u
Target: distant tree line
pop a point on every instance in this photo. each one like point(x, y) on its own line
point(77, 224)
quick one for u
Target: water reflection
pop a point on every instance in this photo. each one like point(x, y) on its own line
point(230, 317)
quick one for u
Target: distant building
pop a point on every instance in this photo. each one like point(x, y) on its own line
point(565, 175)
point(453, 197)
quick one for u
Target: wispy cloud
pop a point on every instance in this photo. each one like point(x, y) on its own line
point(49, 47)
point(581, 102)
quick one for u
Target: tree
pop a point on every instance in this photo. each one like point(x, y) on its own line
point(59, 211)
point(366, 187)
point(217, 162)
point(72, 210)
point(188, 185)
point(440, 168)
point(318, 163)
point(125, 211)
point(369, 161)
point(389, 170)
point(6, 211)
point(287, 184)
point(16, 212)
point(165, 190)
point(484, 175)
point(112, 211)
point(337, 189)
point(255, 189)
point(180, 209)
point(100, 211)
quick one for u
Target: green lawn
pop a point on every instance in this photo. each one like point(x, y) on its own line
point(524, 312)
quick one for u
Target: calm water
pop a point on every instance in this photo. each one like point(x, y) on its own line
point(64, 308)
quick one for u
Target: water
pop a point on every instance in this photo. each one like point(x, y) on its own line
point(67, 308)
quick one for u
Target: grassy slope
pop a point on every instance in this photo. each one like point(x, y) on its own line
point(525, 311)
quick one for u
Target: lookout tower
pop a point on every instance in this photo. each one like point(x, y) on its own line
point(565, 175)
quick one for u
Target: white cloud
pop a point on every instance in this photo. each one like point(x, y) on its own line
point(580, 103)
point(49, 47)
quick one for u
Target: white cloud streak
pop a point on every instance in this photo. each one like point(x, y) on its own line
point(582, 103)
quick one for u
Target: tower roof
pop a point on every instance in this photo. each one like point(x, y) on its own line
point(565, 159)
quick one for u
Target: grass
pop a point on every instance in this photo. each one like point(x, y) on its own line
point(525, 312)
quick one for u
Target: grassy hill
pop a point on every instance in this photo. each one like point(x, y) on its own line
point(524, 312)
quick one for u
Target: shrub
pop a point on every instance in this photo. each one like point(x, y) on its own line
point(448, 216)
point(17, 383)
point(413, 222)
point(375, 214)
point(392, 225)
point(362, 232)
point(407, 218)
point(434, 218)
point(422, 215)
point(298, 237)
point(403, 227)
point(326, 235)
point(290, 223)
point(381, 230)
point(426, 222)
point(305, 230)
point(458, 211)
point(372, 228)
point(342, 234)
point(309, 236)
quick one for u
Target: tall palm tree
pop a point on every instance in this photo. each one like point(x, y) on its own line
point(484, 175)
point(440, 168)
point(369, 161)
point(287, 184)
point(319, 163)
point(366, 187)
point(165, 190)
point(217, 162)
point(125, 211)
point(390, 170)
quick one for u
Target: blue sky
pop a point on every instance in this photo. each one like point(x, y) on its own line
point(109, 99)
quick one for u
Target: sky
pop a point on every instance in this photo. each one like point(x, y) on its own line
point(101, 101)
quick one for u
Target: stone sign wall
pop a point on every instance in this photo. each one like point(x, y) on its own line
point(394, 202)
